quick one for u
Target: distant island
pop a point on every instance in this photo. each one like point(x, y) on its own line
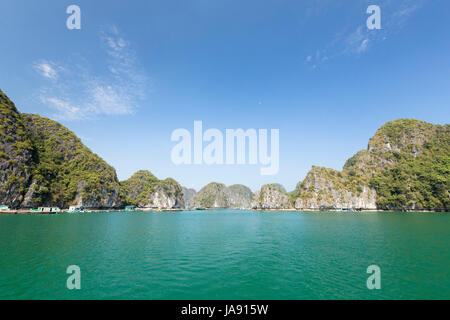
point(406, 167)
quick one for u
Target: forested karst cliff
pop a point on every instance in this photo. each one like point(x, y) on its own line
point(188, 197)
point(271, 197)
point(65, 171)
point(218, 195)
point(144, 190)
point(16, 154)
point(42, 163)
point(406, 166)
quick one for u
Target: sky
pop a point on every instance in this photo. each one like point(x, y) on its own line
point(138, 70)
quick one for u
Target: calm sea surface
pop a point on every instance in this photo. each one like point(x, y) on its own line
point(225, 254)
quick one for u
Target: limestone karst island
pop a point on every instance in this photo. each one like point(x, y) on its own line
point(45, 168)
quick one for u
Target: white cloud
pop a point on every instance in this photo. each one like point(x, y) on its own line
point(79, 94)
point(46, 69)
point(66, 111)
point(407, 11)
point(357, 39)
point(111, 100)
point(363, 46)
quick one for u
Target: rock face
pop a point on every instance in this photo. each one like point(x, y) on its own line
point(270, 197)
point(411, 170)
point(168, 195)
point(405, 167)
point(144, 190)
point(214, 195)
point(240, 197)
point(16, 152)
point(45, 164)
point(217, 195)
point(66, 172)
point(329, 189)
point(188, 197)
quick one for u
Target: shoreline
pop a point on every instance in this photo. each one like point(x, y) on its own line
point(29, 212)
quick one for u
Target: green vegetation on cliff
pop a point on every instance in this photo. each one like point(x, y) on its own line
point(406, 166)
point(65, 170)
point(44, 164)
point(15, 154)
point(143, 189)
point(218, 195)
point(418, 172)
point(138, 188)
point(213, 195)
point(271, 196)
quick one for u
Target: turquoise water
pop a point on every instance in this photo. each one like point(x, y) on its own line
point(225, 254)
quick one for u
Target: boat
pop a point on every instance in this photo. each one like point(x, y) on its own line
point(77, 209)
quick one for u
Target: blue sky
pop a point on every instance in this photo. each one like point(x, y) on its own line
point(138, 70)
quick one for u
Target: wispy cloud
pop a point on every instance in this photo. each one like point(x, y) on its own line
point(77, 93)
point(363, 46)
point(357, 39)
point(46, 69)
point(63, 107)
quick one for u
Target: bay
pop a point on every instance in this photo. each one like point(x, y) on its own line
point(225, 254)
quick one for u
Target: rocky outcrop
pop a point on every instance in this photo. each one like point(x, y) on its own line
point(107, 198)
point(214, 195)
point(65, 171)
point(168, 195)
point(146, 191)
point(16, 152)
point(271, 197)
point(240, 197)
point(218, 195)
point(405, 167)
point(44, 164)
point(188, 197)
point(325, 189)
